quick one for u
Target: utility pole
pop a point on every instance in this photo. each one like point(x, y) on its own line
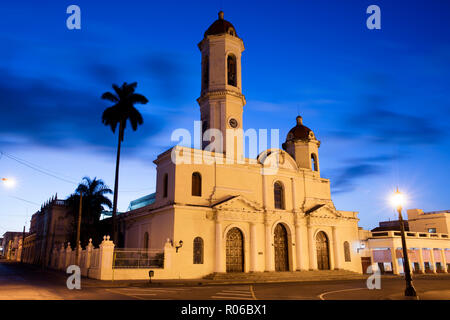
point(23, 245)
point(78, 228)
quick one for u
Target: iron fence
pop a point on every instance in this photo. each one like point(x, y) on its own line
point(138, 258)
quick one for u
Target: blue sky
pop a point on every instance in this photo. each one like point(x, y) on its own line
point(377, 99)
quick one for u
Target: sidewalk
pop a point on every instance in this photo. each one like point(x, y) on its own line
point(427, 295)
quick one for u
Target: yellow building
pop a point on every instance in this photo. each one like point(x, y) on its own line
point(236, 214)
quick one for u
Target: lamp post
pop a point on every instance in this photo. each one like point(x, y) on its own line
point(398, 200)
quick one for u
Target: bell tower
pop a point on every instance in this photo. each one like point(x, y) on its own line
point(221, 100)
point(302, 145)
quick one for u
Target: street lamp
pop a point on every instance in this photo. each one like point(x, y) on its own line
point(398, 200)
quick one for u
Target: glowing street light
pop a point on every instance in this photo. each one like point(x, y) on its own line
point(9, 183)
point(398, 199)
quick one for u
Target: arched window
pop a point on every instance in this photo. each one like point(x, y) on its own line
point(314, 162)
point(146, 240)
point(198, 250)
point(196, 184)
point(347, 252)
point(278, 193)
point(165, 185)
point(231, 67)
point(205, 70)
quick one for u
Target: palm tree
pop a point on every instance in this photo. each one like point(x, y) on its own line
point(94, 201)
point(122, 111)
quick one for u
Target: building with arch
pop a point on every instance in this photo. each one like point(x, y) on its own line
point(236, 214)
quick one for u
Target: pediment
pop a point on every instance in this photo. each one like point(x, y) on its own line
point(322, 211)
point(237, 203)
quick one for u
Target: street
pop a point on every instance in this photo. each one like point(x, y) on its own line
point(20, 282)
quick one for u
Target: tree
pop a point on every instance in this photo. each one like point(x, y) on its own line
point(122, 111)
point(94, 200)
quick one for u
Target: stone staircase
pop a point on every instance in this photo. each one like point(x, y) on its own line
point(316, 275)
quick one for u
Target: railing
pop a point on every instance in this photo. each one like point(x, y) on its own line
point(138, 258)
point(95, 258)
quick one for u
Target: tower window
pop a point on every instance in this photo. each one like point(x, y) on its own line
point(198, 250)
point(231, 67)
point(205, 73)
point(196, 184)
point(347, 252)
point(278, 193)
point(314, 165)
point(165, 185)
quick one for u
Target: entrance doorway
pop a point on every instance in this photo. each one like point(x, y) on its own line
point(323, 252)
point(281, 248)
point(235, 250)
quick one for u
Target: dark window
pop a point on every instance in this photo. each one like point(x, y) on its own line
point(314, 162)
point(204, 126)
point(198, 250)
point(432, 230)
point(196, 184)
point(165, 185)
point(146, 240)
point(278, 193)
point(347, 254)
point(231, 67)
point(205, 77)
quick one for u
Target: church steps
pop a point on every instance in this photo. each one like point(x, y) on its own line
point(313, 275)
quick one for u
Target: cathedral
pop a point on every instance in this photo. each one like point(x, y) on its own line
point(227, 213)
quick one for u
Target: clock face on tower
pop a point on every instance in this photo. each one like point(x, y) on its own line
point(233, 122)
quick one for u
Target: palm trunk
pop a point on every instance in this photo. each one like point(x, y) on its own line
point(116, 186)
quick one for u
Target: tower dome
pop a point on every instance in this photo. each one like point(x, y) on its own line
point(221, 26)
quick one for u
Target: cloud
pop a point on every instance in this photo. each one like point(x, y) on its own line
point(345, 179)
point(384, 125)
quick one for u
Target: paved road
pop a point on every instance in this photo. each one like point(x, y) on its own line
point(25, 282)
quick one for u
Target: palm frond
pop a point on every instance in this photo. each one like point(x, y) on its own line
point(110, 96)
point(138, 98)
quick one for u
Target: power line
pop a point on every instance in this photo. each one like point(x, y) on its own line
point(25, 200)
point(52, 174)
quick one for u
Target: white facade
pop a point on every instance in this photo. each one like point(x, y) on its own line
point(235, 214)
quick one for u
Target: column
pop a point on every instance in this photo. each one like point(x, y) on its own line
point(269, 249)
point(394, 260)
point(264, 191)
point(219, 248)
point(421, 264)
point(294, 201)
point(312, 250)
point(444, 260)
point(433, 263)
point(105, 262)
point(337, 249)
point(253, 247)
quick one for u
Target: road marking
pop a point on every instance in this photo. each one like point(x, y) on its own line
point(239, 293)
point(147, 290)
point(234, 294)
point(325, 293)
point(231, 298)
